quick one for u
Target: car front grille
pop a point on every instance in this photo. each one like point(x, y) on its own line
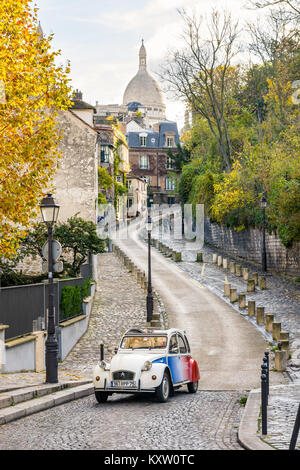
point(123, 375)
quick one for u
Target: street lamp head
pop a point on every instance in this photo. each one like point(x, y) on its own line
point(149, 224)
point(49, 210)
point(263, 201)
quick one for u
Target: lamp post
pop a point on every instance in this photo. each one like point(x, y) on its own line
point(49, 212)
point(263, 205)
point(149, 294)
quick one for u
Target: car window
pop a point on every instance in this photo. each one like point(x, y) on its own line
point(182, 347)
point(173, 347)
point(187, 344)
point(144, 342)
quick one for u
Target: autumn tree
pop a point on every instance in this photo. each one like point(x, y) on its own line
point(202, 74)
point(33, 88)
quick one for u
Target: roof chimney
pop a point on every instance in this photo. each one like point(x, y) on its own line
point(78, 95)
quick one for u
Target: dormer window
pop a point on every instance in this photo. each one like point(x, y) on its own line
point(170, 141)
point(143, 140)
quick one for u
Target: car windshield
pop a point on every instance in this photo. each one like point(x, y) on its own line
point(144, 342)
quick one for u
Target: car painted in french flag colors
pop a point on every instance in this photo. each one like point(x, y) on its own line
point(148, 360)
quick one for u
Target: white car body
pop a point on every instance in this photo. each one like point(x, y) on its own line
point(126, 374)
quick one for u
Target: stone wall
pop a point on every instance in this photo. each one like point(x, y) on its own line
point(75, 182)
point(247, 244)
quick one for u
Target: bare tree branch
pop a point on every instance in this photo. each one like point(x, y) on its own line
point(199, 73)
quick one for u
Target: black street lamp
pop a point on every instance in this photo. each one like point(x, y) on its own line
point(49, 212)
point(149, 294)
point(263, 205)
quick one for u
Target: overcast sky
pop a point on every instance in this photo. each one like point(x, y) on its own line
point(102, 38)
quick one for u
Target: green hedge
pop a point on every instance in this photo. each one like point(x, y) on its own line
point(72, 297)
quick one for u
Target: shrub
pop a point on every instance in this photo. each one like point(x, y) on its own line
point(71, 299)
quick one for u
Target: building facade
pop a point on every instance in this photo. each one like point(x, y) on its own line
point(136, 195)
point(149, 159)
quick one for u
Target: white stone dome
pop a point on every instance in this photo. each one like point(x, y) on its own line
point(143, 87)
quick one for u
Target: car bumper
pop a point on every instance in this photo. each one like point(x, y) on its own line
point(124, 390)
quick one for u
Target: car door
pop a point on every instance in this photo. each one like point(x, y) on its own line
point(174, 359)
point(184, 358)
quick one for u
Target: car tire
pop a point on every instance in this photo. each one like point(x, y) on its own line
point(163, 390)
point(192, 387)
point(101, 397)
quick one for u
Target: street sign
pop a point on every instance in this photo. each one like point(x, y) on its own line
point(56, 250)
point(58, 267)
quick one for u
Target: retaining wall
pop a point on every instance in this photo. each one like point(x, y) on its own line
point(247, 244)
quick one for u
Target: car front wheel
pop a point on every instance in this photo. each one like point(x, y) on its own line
point(192, 387)
point(101, 397)
point(163, 391)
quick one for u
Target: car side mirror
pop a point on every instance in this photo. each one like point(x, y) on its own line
point(115, 350)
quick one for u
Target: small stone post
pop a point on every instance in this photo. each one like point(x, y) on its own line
point(226, 290)
point(260, 315)
point(285, 344)
point(215, 258)
point(255, 278)
point(251, 285)
point(251, 308)
point(225, 263)
point(280, 360)
point(269, 322)
point(283, 336)
point(242, 300)
point(262, 282)
point(238, 269)
point(220, 260)
point(284, 340)
point(245, 274)
point(276, 328)
point(176, 256)
point(233, 295)
point(232, 267)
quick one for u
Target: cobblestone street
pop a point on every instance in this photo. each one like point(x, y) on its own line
point(281, 298)
point(206, 420)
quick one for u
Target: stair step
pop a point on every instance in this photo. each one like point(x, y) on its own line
point(11, 413)
point(17, 396)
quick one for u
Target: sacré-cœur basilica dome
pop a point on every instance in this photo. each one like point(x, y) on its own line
point(144, 89)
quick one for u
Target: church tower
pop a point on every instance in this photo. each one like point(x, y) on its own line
point(144, 90)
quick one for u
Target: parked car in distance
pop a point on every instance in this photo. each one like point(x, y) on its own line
point(147, 360)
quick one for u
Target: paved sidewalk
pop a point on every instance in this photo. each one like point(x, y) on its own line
point(283, 403)
point(110, 315)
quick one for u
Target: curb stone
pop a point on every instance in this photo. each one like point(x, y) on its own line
point(247, 434)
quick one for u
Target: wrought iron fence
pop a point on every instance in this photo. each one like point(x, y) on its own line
point(24, 308)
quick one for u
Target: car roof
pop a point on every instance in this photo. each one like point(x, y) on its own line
point(152, 331)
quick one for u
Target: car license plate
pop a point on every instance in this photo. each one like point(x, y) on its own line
point(124, 384)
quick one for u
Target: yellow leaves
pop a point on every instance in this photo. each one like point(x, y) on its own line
point(230, 193)
point(35, 89)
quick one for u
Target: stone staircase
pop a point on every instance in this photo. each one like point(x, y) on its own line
point(17, 403)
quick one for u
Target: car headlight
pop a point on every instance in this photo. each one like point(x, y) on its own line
point(147, 365)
